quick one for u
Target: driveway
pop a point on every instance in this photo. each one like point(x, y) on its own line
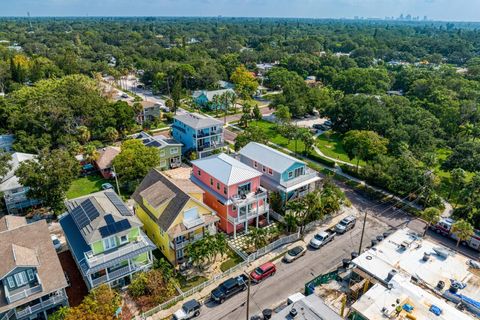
point(291, 278)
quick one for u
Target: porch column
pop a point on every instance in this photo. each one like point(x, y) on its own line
point(90, 280)
point(268, 213)
point(258, 205)
point(246, 225)
point(129, 265)
point(234, 231)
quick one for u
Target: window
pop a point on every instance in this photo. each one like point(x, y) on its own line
point(290, 174)
point(123, 239)
point(173, 150)
point(20, 278)
point(244, 189)
point(109, 243)
point(163, 163)
point(255, 164)
point(234, 208)
point(199, 172)
point(162, 153)
point(218, 186)
point(270, 171)
point(31, 275)
point(225, 190)
point(11, 282)
point(211, 181)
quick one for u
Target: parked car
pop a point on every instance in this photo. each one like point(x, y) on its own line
point(318, 126)
point(56, 242)
point(229, 288)
point(264, 271)
point(189, 310)
point(346, 224)
point(124, 96)
point(322, 238)
point(106, 186)
point(327, 123)
point(294, 253)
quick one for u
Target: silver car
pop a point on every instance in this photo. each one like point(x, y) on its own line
point(294, 253)
point(346, 224)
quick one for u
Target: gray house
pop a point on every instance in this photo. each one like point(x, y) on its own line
point(14, 194)
point(288, 176)
point(33, 282)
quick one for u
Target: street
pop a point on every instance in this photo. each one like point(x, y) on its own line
point(291, 278)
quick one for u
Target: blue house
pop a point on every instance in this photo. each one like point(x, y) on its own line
point(198, 133)
point(206, 99)
point(288, 176)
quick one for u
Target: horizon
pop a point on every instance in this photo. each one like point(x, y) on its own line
point(434, 10)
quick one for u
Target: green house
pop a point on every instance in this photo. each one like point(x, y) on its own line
point(106, 239)
point(170, 150)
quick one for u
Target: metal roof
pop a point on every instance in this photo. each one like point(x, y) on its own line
point(226, 169)
point(268, 156)
point(155, 141)
point(10, 180)
point(197, 121)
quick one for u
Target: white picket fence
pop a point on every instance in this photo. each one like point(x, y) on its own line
point(249, 259)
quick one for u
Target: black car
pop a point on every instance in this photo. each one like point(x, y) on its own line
point(229, 288)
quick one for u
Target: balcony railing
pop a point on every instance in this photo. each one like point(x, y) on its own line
point(8, 315)
point(212, 146)
point(95, 260)
point(179, 245)
point(309, 174)
point(119, 273)
point(11, 298)
point(189, 224)
point(56, 299)
point(251, 214)
point(260, 194)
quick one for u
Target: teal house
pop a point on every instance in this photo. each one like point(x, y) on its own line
point(206, 99)
point(106, 239)
point(288, 176)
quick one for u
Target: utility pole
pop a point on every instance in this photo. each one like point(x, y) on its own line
point(363, 231)
point(248, 296)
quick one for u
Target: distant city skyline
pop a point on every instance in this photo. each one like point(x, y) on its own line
point(446, 10)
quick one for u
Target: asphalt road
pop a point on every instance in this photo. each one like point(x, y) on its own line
point(291, 278)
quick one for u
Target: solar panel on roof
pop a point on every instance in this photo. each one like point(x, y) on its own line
point(122, 225)
point(90, 209)
point(109, 219)
point(118, 203)
point(114, 228)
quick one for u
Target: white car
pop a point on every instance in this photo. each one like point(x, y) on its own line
point(294, 254)
point(346, 224)
point(322, 238)
point(56, 242)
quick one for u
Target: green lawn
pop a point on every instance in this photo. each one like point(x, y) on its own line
point(186, 285)
point(331, 146)
point(85, 185)
point(233, 260)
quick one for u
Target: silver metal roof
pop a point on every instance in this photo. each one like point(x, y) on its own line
point(268, 156)
point(226, 169)
point(198, 121)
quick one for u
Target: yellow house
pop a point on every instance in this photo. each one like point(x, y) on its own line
point(171, 209)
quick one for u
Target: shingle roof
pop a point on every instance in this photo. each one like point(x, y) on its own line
point(268, 156)
point(100, 215)
point(10, 222)
point(25, 245)
point(156, 184)
point(226, 169)
point(197, 121)
point(106, 156)
point(10, 180)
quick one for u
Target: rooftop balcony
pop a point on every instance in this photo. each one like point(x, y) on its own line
point(23, 292)
point(251, 197)
point(58, 298)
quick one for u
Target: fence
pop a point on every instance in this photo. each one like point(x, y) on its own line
point(248, 259)
point(322, 279)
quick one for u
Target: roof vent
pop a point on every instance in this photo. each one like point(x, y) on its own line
point(426, 256)
point(293, 312)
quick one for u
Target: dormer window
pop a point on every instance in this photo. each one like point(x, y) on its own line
point(123, 239)
point(11, 282)
point(109, 243)
point(31, 275)
point(20, 278)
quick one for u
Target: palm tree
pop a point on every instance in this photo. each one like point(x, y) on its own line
point(90, 153)
point(257, 238)
point(228, 98)
point(83, 134)
point(308, 140)
point(463, 230)
point(111, 134)
point(216, 101)
point(221, 244)
point(290, 222)
point(431, 216)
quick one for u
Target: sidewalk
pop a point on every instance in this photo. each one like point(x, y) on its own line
point(274, 256)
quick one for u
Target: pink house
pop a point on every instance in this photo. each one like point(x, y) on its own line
point(233, 190)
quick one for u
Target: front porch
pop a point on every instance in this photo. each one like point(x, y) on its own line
point(258, 217)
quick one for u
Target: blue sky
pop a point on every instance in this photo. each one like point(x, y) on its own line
point(456, 10)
